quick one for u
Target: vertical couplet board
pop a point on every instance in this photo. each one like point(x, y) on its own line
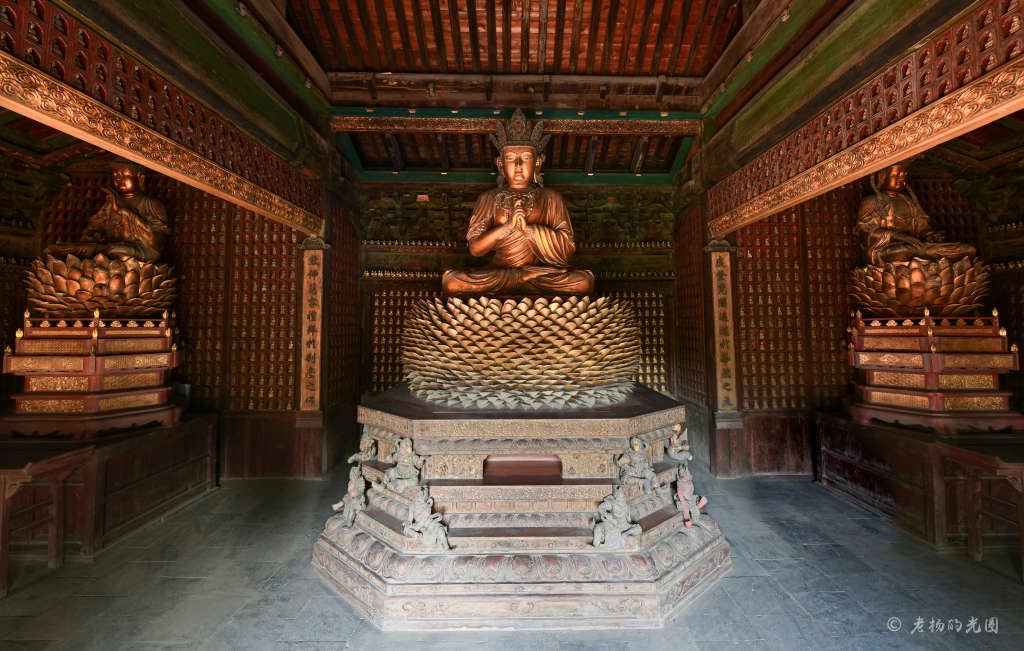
point(312, 323)
point(725, 349)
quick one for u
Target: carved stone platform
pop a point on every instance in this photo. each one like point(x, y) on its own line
point(940, 373)
point(519, 493)
point(85, 376)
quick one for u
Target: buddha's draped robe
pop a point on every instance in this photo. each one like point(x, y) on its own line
point(896, 229)
point(534, 261)
point(138, 230)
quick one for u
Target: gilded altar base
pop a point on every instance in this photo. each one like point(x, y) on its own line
point(518, 494)
point(85, 376)
point(939, 373)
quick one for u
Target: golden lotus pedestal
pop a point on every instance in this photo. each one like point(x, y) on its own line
point(519, 492)
point(89, 375)
point(940, 373)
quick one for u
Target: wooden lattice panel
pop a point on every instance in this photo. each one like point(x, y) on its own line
point(47, 38)
point(650, 308)
point(770, 305)
point(263, 319)
point(341, 376)
point(69, 213)
point(986, 38)
point(831, 251)
point(198, 246)
point(689, 260)
point(949, 210)
point(389, 309)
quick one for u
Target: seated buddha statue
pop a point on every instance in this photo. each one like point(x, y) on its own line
point(129, 224)
point(525, 225)
point(895, 227)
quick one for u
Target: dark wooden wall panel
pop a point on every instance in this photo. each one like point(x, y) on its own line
point(690, 336)
point(792, 312)
point(342, 381)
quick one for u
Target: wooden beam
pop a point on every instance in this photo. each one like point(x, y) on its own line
point(542, 37)
point(394, 152)
point(642, 45)
point(659, 44)
point(385, 32)
point(456, 29)
point(492, 37)
point(577, 24)
point(368, 33)
point(350, 27)
point(506, 35)
point(403, 33)
point(609, 36)
point(524, 37)
point(411, 124)
point(595, 22)
point(677, 44)
point(273, 19)
point(591, 155)
point(639, 154)
point(421, 36)
point(435, 19)
point(484, 96)
point(756, 27)
point(695, 44)
point(442, 148)
point(474, 37)
point(559, 35)
point(627, 36)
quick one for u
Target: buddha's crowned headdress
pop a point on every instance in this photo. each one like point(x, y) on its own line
point(519, 133)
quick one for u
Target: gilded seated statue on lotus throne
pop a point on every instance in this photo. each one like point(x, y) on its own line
point(525, 225)
point(114, 267)
point(551, 347)
point(910, 266)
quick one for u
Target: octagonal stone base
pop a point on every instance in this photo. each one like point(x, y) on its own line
point(397, 591)
point(521, 554)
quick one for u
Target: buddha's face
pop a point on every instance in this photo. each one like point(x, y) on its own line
point(126, 181)
point(518, 162)
point(895, 178)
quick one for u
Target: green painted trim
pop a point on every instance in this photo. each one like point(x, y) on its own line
point(348, 150)
point(504, 114)
point(800, 12)
point(867, 26)
point(556, 178)
point(249, 30)
point(684, 150)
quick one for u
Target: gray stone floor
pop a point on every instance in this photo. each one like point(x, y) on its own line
point(232, 572)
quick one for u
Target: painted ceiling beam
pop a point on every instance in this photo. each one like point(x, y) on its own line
point(271, 14)
point(480, 121)
point(515, 89)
